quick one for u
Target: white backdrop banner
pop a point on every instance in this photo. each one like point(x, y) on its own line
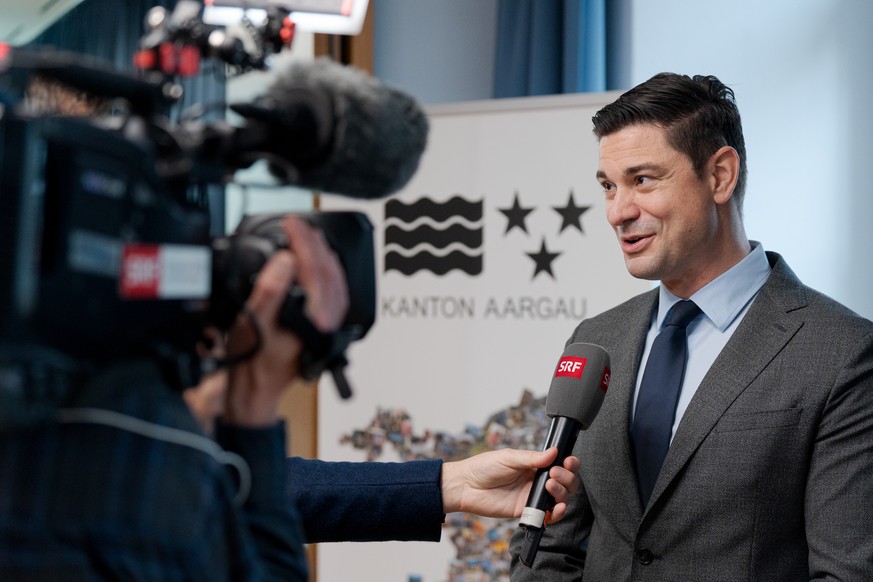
point(486, 262)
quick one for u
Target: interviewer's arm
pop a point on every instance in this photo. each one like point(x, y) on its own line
point(360, 501)
point(363, 501)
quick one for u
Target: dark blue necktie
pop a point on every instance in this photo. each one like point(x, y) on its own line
point(658, 396)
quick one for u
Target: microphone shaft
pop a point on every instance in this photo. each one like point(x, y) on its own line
point(562, 434)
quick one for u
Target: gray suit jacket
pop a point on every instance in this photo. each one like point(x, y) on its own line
point(770, 473)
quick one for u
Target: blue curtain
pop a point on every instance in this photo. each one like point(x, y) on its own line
point(108, 29)
point(550, 46)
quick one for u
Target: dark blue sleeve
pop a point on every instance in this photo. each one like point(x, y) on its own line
point(362, 502)
point(273, 525)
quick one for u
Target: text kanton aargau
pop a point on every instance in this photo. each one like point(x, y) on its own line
point(455, 307)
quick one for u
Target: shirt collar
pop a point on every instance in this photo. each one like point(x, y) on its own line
point(723, 298)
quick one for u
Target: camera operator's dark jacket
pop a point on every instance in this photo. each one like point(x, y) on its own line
point(86, 500)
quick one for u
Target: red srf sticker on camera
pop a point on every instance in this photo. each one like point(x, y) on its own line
point(165, 272)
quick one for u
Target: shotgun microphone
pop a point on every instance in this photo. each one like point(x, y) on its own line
point(340, 130)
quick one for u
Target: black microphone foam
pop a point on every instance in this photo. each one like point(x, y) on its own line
point(579, 383)
point(576, 393)
point(377, 133)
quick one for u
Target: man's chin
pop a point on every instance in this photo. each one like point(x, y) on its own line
point(639, 268)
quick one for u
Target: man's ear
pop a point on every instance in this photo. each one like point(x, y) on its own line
point(724, 171)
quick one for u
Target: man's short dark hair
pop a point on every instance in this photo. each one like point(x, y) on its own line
point(699, 114)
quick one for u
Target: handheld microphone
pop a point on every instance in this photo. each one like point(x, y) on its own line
point(575, 395)
point(340, 130)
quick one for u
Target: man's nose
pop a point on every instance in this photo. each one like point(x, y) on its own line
point(621, 208)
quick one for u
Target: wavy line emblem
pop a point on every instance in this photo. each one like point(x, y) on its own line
point(457, 222)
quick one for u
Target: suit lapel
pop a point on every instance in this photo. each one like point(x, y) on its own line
point(624, 361)
point(761, 335)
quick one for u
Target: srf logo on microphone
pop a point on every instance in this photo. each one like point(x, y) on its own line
point(604, 380)
point(571, 366)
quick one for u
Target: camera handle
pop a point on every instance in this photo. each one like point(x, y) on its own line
point(320, 351)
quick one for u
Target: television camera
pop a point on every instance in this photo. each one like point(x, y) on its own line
point(104, 225)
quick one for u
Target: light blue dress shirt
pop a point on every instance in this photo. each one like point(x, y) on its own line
point(724, 302)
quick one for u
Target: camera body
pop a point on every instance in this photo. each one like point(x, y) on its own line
point(75, 198)
point(105, 227)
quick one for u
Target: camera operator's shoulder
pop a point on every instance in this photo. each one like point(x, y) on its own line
point(136, 389)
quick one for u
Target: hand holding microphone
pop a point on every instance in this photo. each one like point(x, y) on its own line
point(497, 483)
point(577, 390)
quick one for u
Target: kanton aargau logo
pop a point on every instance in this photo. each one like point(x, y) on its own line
point(441, 237)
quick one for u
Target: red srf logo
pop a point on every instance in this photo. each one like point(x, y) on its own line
point(571, 366)
point(140, 272)
point(604, 381)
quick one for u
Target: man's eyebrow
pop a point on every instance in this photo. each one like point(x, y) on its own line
point(643, 168)
point(635, 170)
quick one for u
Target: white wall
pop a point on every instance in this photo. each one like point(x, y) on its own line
point(802, 75)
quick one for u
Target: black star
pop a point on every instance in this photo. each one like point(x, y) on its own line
point(571, 214)
point(543, 258)
point(516, 215)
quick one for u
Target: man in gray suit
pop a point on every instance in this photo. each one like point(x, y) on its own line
point(767, 470)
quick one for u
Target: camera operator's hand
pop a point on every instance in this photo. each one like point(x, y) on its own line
point(256, 384)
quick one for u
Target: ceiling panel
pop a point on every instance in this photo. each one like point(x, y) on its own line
point(22, 20)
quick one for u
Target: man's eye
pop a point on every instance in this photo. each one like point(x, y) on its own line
point(642, 179)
